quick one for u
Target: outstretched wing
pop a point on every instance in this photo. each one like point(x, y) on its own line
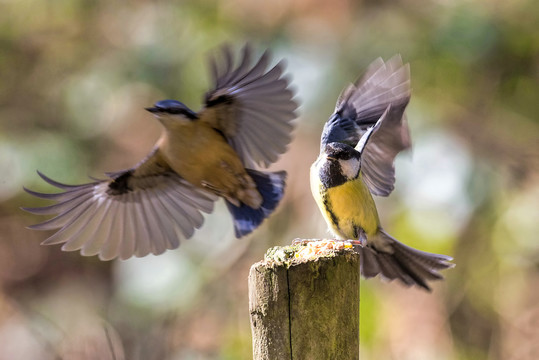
point(252, 106)
point(360, 106)
point(138, 211)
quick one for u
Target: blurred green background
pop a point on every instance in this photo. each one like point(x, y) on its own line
point(75, 76)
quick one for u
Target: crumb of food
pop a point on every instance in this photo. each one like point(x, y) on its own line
point(313, 249)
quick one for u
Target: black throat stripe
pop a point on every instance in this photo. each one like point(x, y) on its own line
point(329, 209)
point(331, 174)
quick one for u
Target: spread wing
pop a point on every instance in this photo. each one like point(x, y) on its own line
point(139, 211)
point(360, 106)
point(252, 106)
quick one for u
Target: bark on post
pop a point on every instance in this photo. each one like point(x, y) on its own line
point(305, 309)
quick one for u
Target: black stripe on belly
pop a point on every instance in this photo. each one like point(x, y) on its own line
point(356, 232)
point(329, 209)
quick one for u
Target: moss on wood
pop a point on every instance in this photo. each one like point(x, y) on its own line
point(305, 308)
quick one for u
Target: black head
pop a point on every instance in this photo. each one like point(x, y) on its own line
point(340, 164)
point(172, 107)
point(340, 151)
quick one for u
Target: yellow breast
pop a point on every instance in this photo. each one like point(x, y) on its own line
point(346, 207)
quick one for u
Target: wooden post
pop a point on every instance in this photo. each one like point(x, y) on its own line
point(305, 308)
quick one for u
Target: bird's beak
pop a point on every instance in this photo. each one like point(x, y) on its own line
point(153, 110)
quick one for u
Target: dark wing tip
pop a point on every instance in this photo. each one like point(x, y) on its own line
point(53, 182)
point(41, 195)
point(33, 210)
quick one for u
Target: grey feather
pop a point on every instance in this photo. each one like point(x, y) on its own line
point(61, 207)
point(158, 241)
point(363, 142)
point(111, 246)
point(74, 235)
point(130, 240)
point(99, 232)
point(369, 263)
point(185, 223)
point(63, 219)
point(144, 236)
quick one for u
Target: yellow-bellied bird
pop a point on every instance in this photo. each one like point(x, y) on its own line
point(359, 143)
point(200, 156)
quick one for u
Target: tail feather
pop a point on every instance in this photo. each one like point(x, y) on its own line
point(399, 261)
point(418, 268)
point(392, 269)
point(369, 263)
point(271, 187)
point(414, 273)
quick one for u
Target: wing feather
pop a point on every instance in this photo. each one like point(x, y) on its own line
point(242, 93)
point(99, 232)
point(61, 207)
point(242, 69)
point(138, 211)
point(186, 222)
point(153, 225)
point(63, 219)
point(360, 106)
point(168, 222)
point(128, 241)
point(143, 235)
point(134, 238)
point(112, 244)
point(71, 233)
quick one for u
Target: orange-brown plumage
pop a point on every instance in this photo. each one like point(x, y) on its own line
point(245, 124)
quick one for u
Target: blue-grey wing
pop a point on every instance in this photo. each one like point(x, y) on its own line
point(360, 106)
point(340, 129)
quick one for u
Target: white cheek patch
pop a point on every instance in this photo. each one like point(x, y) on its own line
point(319, 162)
point(350, 168)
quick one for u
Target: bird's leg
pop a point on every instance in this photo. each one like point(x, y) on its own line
point(362, 237)
point(360, 242)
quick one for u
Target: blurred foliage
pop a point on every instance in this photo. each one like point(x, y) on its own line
point(74, 79)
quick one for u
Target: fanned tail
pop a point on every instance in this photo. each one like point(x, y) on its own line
point(271, 187)
point(394, 260)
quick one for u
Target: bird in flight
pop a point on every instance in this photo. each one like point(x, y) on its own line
point(244, 124)
point(359, 144)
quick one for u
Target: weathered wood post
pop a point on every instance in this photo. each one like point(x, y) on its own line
point(305, 307)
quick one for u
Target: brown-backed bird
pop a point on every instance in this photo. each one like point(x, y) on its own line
point(246, 122)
